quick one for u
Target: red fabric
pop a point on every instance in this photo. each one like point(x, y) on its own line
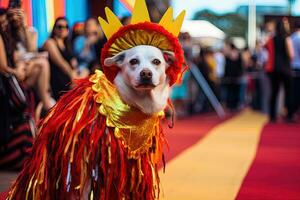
point(3, 195)
point(271, 55)
point(275, 172)
point(174, 72)
point(99, 158)
point(189, 131)
point(180, 138)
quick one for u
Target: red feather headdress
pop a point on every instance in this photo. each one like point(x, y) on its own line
point(141, 31)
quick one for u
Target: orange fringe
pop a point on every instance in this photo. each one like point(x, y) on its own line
point(76, 156)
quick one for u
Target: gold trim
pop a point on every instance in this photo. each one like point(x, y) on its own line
point(132, 126)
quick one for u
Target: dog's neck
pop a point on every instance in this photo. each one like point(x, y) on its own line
point(149, 102)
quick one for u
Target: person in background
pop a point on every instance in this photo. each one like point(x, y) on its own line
point(6, 57)
point(269, 31)
point(220, 70)
point(260, 56)
point(180, 92)
point(98, 47)
point(23, 48)
point(207, 66)
point(295, 38)
point(63, 63)
point(278, 67)
point(125, 20)
point(220, 63)
point(248, 64)
point(232, 76)
point(85, 46)
point(16, 121)
point(4, 40)
point(77, 31)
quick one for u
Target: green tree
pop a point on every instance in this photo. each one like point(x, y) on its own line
point(232, 24)
point(291, 3)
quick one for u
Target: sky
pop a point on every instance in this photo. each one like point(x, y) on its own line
point(223, 6)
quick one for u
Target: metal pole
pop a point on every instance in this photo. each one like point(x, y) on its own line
point(207, 91)
point(251, 24)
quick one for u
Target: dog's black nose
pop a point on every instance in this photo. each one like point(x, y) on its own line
point(146, 74)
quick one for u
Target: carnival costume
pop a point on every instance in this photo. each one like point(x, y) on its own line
point(92, 144)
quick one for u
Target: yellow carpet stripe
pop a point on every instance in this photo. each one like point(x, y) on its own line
point(214, 168)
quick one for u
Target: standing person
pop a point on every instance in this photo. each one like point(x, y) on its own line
point(220, 63)
point(62, 62)
point(296, 66)
point(220, 70)
point(232, 76)
point(207, 67)
point(278, 67)
point(260, 56)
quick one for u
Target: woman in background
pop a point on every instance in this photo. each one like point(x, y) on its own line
point(278, 67)
point(87, 47)
point(63, 64)
point(22, 48)
point(16, 121)
point(232, 76)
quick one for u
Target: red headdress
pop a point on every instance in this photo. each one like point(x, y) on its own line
point(143, 32)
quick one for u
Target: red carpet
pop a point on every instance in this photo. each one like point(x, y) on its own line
point(215, 166)
point(275, 172)
point(3, 195)
point(187, 132)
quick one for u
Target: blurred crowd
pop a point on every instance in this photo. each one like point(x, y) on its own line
point(265, 78)
point(32, 79)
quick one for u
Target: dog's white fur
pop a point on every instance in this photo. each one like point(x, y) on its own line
point(148, 98)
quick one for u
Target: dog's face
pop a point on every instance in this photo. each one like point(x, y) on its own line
point(143, 67)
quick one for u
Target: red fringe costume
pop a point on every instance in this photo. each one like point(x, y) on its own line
point(92, 145)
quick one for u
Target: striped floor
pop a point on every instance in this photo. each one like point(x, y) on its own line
point(240, 158)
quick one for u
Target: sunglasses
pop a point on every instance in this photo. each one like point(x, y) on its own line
point(61, 27)
point(93, 34)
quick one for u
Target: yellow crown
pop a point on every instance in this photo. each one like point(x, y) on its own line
point(140, 14)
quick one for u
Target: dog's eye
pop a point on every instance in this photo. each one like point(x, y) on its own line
point(134, 61)
point(156, 62)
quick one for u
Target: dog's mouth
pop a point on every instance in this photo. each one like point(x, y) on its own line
point(145, 86)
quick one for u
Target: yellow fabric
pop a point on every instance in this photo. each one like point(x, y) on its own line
point(132, 126)
point(139, 37)
point(112, 25)
point(173, 26)
point(140, 14)
point(214, 168)
point(213, 67)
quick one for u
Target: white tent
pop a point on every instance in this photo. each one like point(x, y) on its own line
point(201, 29)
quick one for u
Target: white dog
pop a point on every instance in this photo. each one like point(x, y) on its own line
point(142, 81)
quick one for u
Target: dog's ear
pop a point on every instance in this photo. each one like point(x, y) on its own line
point(115, 60)
point(169, 56)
